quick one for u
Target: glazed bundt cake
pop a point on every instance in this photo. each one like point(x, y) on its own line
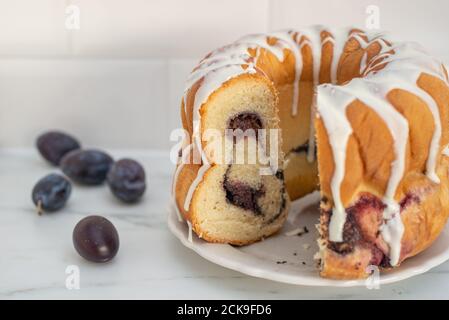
point(363, 119)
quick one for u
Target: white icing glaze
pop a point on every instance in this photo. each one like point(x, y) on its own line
point(178, 213)
point(184, 159)
point(392, 231)
point(311, 148)
point(213, 80)
point(194, 185)
point(190, 235)
point(313, 35)
point(363, 62)
point(403, 64)
point(292, 44)
point(338, 129)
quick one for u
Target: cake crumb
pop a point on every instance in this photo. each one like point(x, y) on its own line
point(297, 232)
point(281, 262)
point(306, 246)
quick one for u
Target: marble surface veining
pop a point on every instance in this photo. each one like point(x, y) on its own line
point(35, 251)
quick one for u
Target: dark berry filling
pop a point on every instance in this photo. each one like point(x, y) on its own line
point(280, 175)
point(377, 256)
point(244, 196)
point(360, 230)
point(246, 121)
point(362, 226)
point(324, 200)
point(367, 202)
point(302, 148)
point(351, 237)
point(409, 199)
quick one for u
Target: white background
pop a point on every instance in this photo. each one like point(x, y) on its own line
point(117, 81)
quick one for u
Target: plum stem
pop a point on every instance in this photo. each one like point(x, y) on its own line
point(39, 207)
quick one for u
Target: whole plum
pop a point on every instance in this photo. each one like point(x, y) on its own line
point(88, 167)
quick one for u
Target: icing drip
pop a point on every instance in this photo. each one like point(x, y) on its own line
point(313, 35)
point(363, 62)
point(195, 183)
point(214, 80)
point(178, 214)
point(292, 44)
point(184, 159)
point(311, 147)
point(190, 234)
point(338, 129)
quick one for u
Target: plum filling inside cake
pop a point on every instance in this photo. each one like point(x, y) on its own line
point(248, 194)
point(361, 228)
point(303, 148)
point(243, 195)
point(246, 121)
point(409, 199)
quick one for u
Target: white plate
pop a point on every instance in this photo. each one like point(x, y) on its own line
point(286, 258)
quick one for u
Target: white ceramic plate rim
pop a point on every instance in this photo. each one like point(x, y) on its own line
point(213, 253)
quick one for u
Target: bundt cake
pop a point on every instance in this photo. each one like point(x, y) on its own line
point(361, 118)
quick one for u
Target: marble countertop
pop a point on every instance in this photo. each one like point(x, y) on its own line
point(37, 258)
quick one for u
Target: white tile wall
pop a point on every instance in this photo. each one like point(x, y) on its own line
point(424, 21)
point(164, 28)
point(111, 103)
point(32, 27)
point(178, 69)
point(118, 80)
